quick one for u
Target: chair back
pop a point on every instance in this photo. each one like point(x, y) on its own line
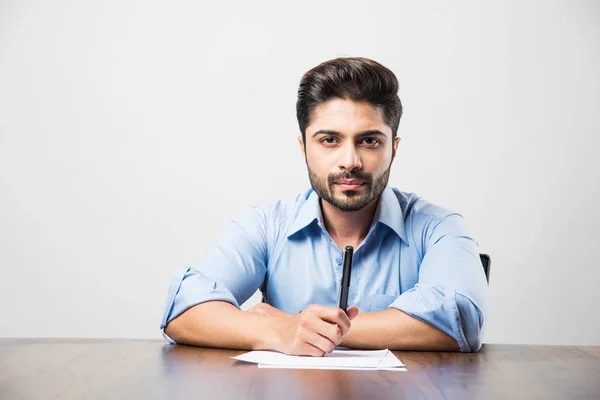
point(486, 261)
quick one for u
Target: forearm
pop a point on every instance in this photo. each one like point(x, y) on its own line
point(396, 330)
point(220, 324)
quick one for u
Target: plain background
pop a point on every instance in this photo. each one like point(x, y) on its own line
point(131, 132)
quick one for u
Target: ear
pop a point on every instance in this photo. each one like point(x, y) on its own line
point(301, 143)
point(395, 147)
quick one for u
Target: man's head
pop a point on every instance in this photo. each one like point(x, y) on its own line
point(348, 110)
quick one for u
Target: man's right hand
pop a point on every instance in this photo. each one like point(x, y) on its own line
point(313, 332)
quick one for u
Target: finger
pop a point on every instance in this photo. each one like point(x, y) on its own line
point(336, 316)
point(352, 312)
point(312, 322)
point(329, 331)
point(309, 350)
point(320, 342)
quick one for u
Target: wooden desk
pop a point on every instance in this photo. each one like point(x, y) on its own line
point(129, 369)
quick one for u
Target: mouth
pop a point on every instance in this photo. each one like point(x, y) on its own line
point(349, 184)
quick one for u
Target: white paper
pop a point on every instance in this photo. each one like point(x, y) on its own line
point(390, 361)
point(396, 369)
point(338, 359)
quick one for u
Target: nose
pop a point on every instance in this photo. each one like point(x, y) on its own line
point(349, 158)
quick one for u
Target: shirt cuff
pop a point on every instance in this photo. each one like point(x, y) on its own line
point(446, 309)
point(188, 288)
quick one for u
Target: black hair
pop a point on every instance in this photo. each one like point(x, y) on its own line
point(349, 78)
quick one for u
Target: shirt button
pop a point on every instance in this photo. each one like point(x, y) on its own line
point(338, 261)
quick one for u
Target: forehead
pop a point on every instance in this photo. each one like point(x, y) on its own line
point(347, 116)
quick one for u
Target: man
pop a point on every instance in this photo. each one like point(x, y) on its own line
point(417, 278)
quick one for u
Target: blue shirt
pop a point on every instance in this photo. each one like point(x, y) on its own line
point(417, 257)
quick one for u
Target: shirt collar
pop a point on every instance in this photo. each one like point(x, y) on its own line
point(389, 212)
point(309, 211)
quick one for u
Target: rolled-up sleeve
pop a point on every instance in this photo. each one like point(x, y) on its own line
point(451, 292)
point(231, 270)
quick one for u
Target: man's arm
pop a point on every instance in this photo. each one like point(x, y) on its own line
point(451, 292)
point(220, 324)
point(230, 271)
point(396, 330)
point(445, 308)
point(224, 330)
point(203, 304)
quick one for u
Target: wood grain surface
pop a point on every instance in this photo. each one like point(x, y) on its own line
point(132, 369)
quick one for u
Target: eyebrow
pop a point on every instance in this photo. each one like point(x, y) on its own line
point(361, 134)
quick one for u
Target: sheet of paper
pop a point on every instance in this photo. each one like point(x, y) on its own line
point(338, 359)
point(390, 361)
point(343, 358)
point(395, 369)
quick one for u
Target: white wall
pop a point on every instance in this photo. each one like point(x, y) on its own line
point(132, 132)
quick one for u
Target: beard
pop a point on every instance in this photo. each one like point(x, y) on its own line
point(352, 200)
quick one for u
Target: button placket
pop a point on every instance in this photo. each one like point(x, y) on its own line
point(338, 258)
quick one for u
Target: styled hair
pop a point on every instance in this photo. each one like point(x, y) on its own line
point(349, 78)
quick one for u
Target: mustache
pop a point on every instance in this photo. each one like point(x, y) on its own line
point(362, 176)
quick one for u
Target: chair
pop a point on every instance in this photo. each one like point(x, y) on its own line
point(486, 261)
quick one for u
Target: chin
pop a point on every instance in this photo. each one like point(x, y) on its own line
point(353, 194)
point(350, 195)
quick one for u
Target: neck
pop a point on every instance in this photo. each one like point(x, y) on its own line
point(348, 228)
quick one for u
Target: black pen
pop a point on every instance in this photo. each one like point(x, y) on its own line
point(348, 252)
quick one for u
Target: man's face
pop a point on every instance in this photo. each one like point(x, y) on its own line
point(349, 152)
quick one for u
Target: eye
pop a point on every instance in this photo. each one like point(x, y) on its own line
point(371, 142)
point(329, 140)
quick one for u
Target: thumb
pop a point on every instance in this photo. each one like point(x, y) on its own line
point(352, 312)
